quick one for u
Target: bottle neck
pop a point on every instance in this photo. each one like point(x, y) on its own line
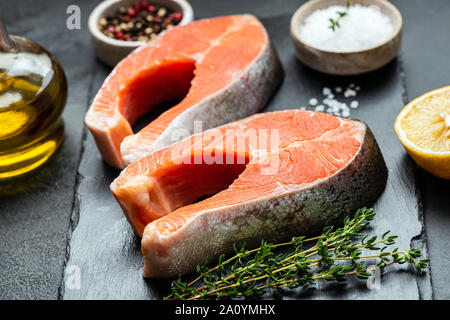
point(6, 44)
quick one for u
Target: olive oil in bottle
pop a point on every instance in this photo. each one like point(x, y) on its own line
point(33, 92)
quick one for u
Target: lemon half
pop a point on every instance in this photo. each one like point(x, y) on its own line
point(423, 127)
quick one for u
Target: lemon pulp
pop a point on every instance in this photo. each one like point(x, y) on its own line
point(423, 128)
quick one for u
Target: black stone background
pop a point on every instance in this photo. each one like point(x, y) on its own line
point(64, 215)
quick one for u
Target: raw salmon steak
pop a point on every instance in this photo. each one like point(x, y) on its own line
point(272, 176)
point(222, 68)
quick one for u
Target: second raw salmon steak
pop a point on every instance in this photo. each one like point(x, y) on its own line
point(272, 176)
point(222, 68)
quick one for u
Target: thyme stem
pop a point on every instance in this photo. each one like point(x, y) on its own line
point(335, 255)
point(334, 23)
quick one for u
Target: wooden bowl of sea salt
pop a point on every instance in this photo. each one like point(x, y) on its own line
point(346, 37)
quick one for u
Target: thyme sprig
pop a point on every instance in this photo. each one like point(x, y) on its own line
point(335, 255)
point(334, 23)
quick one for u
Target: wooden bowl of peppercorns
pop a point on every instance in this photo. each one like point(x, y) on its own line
point(118, 27)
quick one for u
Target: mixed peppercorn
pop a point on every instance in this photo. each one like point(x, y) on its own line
point(139, 22)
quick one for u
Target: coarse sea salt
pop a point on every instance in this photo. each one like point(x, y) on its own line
point(349, 93)
point(313, 101)
point(320, 108)
point(361, 28)
point(334, 106)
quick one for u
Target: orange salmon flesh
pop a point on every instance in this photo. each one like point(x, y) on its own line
point(271, 176)
point(210, 64)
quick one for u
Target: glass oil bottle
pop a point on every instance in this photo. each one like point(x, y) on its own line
point(33, 93)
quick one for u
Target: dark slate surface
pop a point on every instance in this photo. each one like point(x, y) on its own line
point(35, 212)
point(115, 260)
point(38, 213)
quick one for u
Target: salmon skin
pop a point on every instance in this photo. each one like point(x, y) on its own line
point(273, 176)
point(222, 68)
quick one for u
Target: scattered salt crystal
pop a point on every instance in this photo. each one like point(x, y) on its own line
point(361, 28)
point(354, 104)
point(313, 101)
point(349, 93)
point(320, 108)
point(326, 91)
point(332, 105)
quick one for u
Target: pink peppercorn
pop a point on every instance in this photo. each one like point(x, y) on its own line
point(129, 22)
point(178, 16)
